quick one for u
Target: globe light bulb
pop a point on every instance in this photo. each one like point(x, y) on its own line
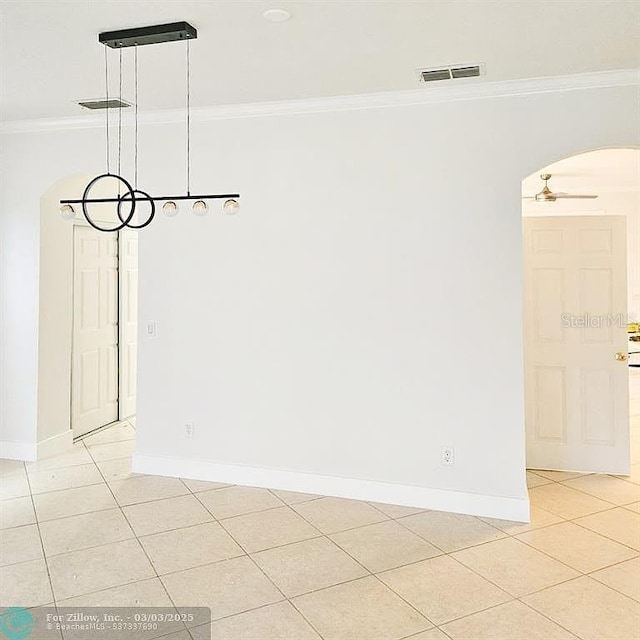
point(170, 208)
point(200, 207)
point(231, 207)
point(67, 212)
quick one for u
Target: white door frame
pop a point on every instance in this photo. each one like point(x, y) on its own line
point(127, 321)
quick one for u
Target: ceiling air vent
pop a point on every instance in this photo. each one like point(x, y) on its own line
point(451, 73)
point(431, 75)
point(112, 103)
point(465, 72)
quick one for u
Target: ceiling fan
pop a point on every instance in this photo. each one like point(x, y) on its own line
point(546, 195)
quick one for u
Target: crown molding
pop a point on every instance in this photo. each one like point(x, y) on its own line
point(461, 90)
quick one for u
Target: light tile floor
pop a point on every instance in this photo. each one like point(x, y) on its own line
point(276, 565)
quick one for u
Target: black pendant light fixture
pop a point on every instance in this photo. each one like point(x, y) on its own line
point(129, 195)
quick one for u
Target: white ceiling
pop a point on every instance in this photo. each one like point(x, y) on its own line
point(50, 56)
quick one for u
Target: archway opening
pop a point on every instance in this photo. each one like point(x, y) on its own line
point(87, 324)
point(581, 306)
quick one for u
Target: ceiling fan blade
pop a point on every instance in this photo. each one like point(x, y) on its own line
point(567, 196)
point(528, 197)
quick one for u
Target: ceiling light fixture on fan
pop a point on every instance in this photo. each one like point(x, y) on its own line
point(546, 195)
point(129, 195)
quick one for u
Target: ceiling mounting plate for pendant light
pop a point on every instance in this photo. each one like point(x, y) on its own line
point(154, 34)
point(103, 103)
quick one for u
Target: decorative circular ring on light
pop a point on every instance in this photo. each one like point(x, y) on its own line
point(276, 15)
point(145, 196)
point(124, 221)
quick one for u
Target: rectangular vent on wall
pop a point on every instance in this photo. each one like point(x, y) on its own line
point(451, 73)
point(112, 103)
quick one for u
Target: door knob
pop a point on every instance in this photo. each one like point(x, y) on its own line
point(621, 356)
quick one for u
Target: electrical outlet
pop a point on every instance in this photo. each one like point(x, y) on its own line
point(447, 456)
point(189, 430)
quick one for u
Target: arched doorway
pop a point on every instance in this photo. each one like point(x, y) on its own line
point(87, 324)
point(582, 293)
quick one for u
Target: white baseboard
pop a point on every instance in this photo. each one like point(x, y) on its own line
point(25, 451)
point(32, 451)
point(475, 504)
point(55, 445)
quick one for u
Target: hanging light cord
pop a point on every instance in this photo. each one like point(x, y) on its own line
point(106, 111)
point(120, 113)
point(135, 166)
point(188, 123)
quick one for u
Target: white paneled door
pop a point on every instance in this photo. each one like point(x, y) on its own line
point(128, 321)
point(94, 395)
point(576, 375)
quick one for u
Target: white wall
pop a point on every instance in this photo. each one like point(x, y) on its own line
point(55, 318)
point(362, 311)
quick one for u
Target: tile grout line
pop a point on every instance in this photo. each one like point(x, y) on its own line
point(501, 605)
point(564, 521)
point(444, 551)
point(367, 571)
point(582, 574)
point(514, 537)
point(140, 545)
point(592, 495)
point(237, 515)
point(274, 492)
point(590, 575)
point(321, 535)
point(81, 486)
point(120, 508)
point(544, 615)
point(257, 566)
point(580, 571)
point(44, 555)
point(415, 636)
point(579, 524)
point(62, 553)
point(420, 613)
point(571, 520)
point(371, 574)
